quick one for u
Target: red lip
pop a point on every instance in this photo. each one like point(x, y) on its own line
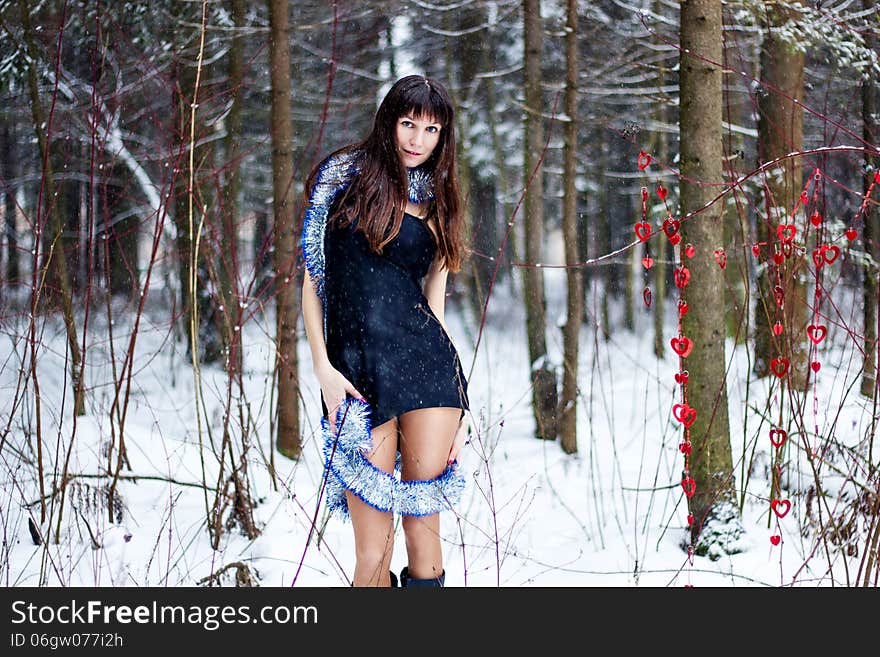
point(410, 153)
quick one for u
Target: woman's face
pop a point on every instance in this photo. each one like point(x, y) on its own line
point(416, 138)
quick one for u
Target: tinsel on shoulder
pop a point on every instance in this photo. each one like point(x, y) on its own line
point(334, 176)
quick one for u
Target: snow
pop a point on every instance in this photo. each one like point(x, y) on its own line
point(612, 515)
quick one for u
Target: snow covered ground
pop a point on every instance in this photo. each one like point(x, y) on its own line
point(611, 515)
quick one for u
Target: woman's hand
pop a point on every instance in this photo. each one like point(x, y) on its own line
point(458, 441)
point(335, 388)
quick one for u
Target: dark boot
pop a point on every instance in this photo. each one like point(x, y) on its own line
point(393, 579)
point(411, 582)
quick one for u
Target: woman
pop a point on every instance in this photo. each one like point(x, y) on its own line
point(381, 232)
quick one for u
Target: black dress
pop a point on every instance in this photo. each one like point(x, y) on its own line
point(381, 334)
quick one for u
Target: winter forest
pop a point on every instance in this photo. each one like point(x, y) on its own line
point(667, 312)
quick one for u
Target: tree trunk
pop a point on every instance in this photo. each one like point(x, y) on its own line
point(287, 303)
point(10, 211)
point(226, 261)
point(543, 375)
point(871, 233)
point(119, 258)
point(711, 464)
point(575, 301)
point(780, 132)
point(55, 222)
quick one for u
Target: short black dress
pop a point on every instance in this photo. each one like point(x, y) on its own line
point(381, 334)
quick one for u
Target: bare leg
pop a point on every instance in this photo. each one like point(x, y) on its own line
point(374, 529)
point(426, 435)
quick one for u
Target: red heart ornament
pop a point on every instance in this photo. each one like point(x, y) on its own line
point(815, 365)
point(777, 328)
point(689, 250)
point(804, 198)
point(675, 239)
point(662, 192)
point(690, 519)
point(818, 260)
point(685, 448)
point(689, 486)
point(670, 227)
point(682, 346)
point(777, 437)
point(682, 276)
point(779, 366)
point(815, 218)
point(681, 377)
point(682, 308)
point(775, 539)
point(778, 258)
point(817, 332)
point(644, 160)
point(832, 249)
point(646, 295)
point(647, 262)
point(877, 177)
point(780, 507)
point(685, 414)
point(786, 232)
point(779, 293)
point(643, 230)
point(851, 234)
point(787, 248)
point(756, 250)
point(720, 257)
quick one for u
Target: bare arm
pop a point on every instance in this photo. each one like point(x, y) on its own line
point(313, 318)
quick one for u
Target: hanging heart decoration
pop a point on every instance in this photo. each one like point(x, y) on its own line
point(851, 234)
point(662, 191)
point(786, 232)
point(780, 507)
point(779, 293)
point(684, 448)
point(779, 366)
point(644, 160)
point(682, 308)
point(787, 249)
point(670, 227)
point(721, 258)
point(815, 218)
point(817, 332)
point(690, 519)
point(775, 539)
point(647, 262)
point(682, 276)
point(681, 377)
point(682, 345)
point(756, 250)
point(684, 413)
point(830, 253)
point(818, 260)
point(777, 437)
point(777, 329)
point(689, 486)
point(643, 230)
point(815, 366)
point(778, 258)
point(646, 295)
point(689, 251)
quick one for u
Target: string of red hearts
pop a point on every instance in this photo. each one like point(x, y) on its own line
point(682, 345)
point(825, 252)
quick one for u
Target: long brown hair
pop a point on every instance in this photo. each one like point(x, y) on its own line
point(377, 196)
